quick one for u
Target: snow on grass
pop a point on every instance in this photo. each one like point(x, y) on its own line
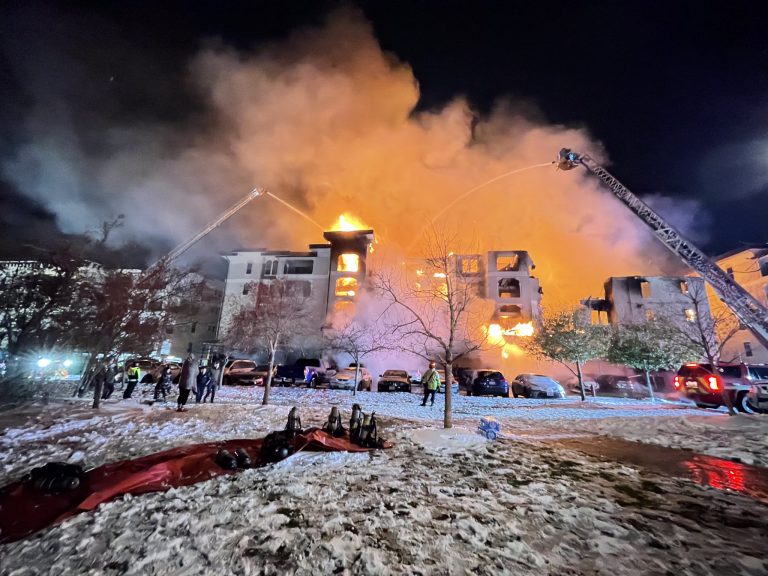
point(500, 508)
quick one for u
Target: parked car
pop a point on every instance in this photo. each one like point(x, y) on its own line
point(488, 383)
point(758, 396)
point(414, 376)
point(454, 384)
point(590, 385)
point(705, 384)
point(262, 371)
point(240, 372)
point(394, 381)
point(617, 385)
point(345, 379)
point(309, 371)
point(536, 386)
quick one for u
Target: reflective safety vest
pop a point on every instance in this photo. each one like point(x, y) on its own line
point(134, 373)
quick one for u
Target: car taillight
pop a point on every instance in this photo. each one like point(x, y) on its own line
point(714, 384)
point(678, 381)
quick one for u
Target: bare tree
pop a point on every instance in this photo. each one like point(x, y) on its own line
point(568, 337)
point(119, 311)
point(358, 339)
point(436, 310)
point(272, 316)
point(707, 328)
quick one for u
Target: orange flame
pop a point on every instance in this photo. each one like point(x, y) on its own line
point(346, 287)
point(348, 223)
point(349, 263)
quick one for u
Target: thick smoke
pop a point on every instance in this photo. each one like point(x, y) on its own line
point(327, 121)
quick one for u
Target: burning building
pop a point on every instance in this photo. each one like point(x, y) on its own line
point(330, 275)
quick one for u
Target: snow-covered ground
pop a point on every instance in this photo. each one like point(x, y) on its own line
point(437, 503)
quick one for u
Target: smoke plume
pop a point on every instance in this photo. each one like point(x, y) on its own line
point(327, 121)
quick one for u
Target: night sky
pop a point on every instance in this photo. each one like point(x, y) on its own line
point(676, 92)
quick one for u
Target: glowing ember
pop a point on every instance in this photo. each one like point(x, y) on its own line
point(348, 223)
point(349, 263)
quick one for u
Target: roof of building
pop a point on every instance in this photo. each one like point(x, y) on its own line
point(744, 248)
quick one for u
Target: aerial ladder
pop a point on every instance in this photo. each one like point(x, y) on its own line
point(212, 225)
point(750, 312)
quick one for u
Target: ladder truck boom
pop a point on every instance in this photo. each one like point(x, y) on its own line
point(212, 225)
point(750, 312)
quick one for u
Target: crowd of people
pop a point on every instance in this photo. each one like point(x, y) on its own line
point(203, 380)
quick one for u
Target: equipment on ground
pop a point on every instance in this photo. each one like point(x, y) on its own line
point(750, 312)
point(55, 477)
point(333, 426)
point(355, 422)
point(293, 426)
point(489, 427)
point(226, 460)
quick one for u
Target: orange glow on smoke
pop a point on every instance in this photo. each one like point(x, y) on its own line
point(348, 223)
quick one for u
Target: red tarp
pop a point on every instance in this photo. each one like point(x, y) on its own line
point(24, 510)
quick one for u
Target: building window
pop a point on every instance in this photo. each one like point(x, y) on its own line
point(764, 267)
point(729, 271)
point(298, 266)
point(509, 288)
point(748, 349)
point(683, 287)
point(510, 263)
point(269, 268)
point(343, 307)
point(470, 265)
point(249, 267)
point(193, 329)
point(690, 314)
point(645, 288)
point(245, 289)
point(346, 287)
point(509, 313)
point(348, 263)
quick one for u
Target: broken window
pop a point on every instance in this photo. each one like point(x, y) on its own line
point(298, 266)
point(249, 267)
point(344, 307)
point(683, 287)
point(508, 263)
point(645, 288)
point(470, 265)
point(269, 268)
point(348, 263)
point(690, 315)
point(509, 288)
point(346, 287)
point(748, 349)
point(512, 310)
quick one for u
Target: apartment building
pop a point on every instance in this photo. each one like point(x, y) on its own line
point(634, 299)
point(749, 267)
point(331, 274)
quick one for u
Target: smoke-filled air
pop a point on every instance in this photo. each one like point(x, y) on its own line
point(327, 121)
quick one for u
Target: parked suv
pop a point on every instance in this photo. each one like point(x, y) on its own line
point(488, 383)
point(705, 385)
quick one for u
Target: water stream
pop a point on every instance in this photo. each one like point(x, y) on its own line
point(483, 185)
point(299, 212)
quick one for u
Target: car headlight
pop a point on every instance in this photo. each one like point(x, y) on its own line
point(43, 362)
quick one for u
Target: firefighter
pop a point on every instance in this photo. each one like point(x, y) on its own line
point(133, 379)
point(430, 381)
